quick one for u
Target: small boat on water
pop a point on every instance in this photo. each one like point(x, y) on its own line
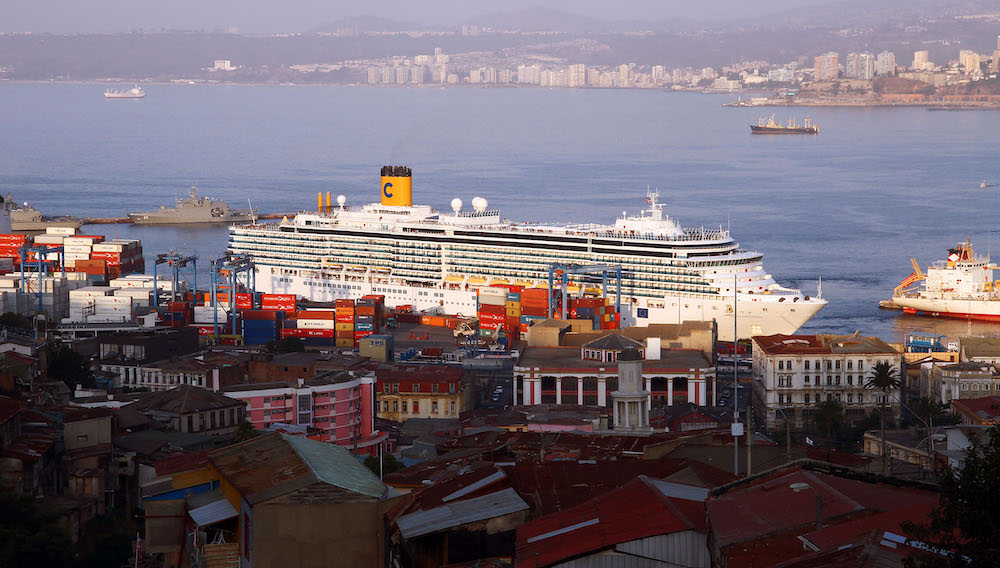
point(135, 92)
point(773, 127)
point(984, 185)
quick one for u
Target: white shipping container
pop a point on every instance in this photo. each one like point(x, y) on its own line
point(106, 319)
point(107, 247)
point(81, 303)
point(316, 323)
point(70, 241)
point(75, 256)
point(120, 310)
point(112, 301)
point(90, 292)
point(76, 248)
point(207, 318)
point(49, 240)
point(493, 300)
point(59, 231)
point(492, 291)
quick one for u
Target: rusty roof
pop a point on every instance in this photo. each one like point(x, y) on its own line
point(273, 465)
point(641, 508)
point(9, 408)
point(181, 461)
point(184, 399)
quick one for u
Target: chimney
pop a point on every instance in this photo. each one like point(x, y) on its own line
point(652, 348)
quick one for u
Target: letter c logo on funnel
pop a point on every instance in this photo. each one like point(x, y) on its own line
point(385, 189)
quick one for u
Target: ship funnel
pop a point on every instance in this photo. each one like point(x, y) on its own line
point(328, 208)
point(397, 186)
point(319, 202)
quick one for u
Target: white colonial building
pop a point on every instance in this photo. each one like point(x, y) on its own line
point(794, 373)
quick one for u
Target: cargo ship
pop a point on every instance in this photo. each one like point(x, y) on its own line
point(415, 255)
point(773, 127)
point(961, 286)
point(192, 209)
point(135, 92)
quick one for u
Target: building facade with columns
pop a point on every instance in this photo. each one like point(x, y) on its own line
point(587, 375)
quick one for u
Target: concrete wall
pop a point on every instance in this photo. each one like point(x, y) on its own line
point(86, 433)
point(316, 535)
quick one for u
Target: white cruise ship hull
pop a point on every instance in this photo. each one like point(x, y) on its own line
point(755, 317)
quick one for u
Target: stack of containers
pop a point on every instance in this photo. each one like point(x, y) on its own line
point(111, 309)
point(367, 314)
point(207, 314)
point(316, 326)
point(534, 306)
point(260, 326)
point(120, 256)
point(344, 323)
point(82, 301)
point(279, 302)
point(513, 309)
point(491, 309)
point(10, 246)
point(178, 314)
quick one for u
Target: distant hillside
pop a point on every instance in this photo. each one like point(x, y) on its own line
point(897, 86)
point(363, 24)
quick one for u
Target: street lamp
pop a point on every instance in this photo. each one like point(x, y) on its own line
point(797, 487)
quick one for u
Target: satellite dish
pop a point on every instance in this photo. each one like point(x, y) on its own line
point(341, 200)
point(456, 205)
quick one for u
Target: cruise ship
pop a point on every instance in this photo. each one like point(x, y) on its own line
point(415, 255)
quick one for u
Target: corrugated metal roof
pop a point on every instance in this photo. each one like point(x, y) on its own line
point(460, 513)
point(218, 510)
point(680, 491)
point(337, 466)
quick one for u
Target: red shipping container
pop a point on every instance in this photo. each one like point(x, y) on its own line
point(492, 309)
point(365, 310)
point(512, 323)
point(278, 298)
point(342, 318)
point(492, 318)
point(317, 332)
point(244, 301)
point(259, 314)
point(317, 314)
point(344, 303)
point(488, 325)
point(362, 334)
point(378, 297)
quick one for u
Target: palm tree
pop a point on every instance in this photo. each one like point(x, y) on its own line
point(829, 415)
point(883, 379)
point(244, 431)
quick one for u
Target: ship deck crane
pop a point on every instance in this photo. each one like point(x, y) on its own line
point(910, 280)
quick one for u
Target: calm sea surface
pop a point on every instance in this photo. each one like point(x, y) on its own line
point(851, 205)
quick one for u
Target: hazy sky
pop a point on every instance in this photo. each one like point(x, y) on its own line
point(266, 16)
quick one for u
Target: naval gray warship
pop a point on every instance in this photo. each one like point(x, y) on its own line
point(192, 209)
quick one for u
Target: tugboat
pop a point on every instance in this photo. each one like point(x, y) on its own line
point(772, 127)
point(192, 209)
point(135, 92)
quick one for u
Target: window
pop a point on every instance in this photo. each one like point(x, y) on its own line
point(386, 389)
point(805, 365)
point(416, 387)
point(434, 388)
point(850, 397)
point(395, 406)
point(829, 365)
point(850, 364)
point(850, 378)
point(861, 364)
point(806, 378)
point(837, 364)
point(434, 407)
point(837, 381)
point(395, 388)
point(190, 424)
point(781, 365)
point(806, 398)
point(829, 397)
point(453, 407)
point(829, 380)
point(404, 406)
point(451, 388)
point(211, 416)
point(861, 397)
point(385, 406)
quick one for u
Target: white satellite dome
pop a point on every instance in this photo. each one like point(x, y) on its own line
point(341, 200)
point(479, 204)
point(456, 205)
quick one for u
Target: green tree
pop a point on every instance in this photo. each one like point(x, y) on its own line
point(965, 526)
point(389, 464)
point(10, 319)
point(829, 416)
point(70, 367)
point(286, 345)
point(244, 432)
point(883, 380)
point(108, 542)
point(30, 536)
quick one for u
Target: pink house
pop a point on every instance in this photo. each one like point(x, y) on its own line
point(336, 407)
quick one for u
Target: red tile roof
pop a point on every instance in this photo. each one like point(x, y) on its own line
point(986, 408)
point(819, 344)
point(637, 510)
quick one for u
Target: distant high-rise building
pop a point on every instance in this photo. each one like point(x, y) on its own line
point(374, 74)
point(827, 66)
point(577, 75)
point(886, 63)
point(505, 76)
point(593, 77)
point(995, 62)
point(388, 75)
point(921, 60)
point(475, 75)
point(439, 73)
point(528, 74)
point(659, 75)
point(417, 74)
point(781, 75)
point(223, 65)
point(624, 75)
point(423, 59)
point(970, 61)
point(402, 75)
point(864, 66)
point(439, 56)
